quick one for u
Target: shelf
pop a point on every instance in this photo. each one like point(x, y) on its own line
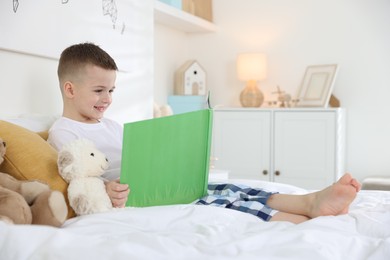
point(180, 20)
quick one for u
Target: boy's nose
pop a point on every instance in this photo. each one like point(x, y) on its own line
point(107, 98)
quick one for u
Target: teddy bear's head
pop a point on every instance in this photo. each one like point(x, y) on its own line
point(81, 158)
point(2, 150)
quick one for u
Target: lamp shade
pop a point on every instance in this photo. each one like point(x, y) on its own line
point(251, 66)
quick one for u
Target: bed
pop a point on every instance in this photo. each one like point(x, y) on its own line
point(205, 232)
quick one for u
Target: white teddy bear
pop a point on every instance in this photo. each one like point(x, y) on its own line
point(80, 164)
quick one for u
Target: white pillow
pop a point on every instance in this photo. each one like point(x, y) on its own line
point(33, 122)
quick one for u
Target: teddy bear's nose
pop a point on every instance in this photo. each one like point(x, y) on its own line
point(5, 144)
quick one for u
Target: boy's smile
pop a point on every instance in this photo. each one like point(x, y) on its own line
point(100, 108)
point(90, 95)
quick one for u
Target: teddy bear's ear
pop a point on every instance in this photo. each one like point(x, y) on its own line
point(65, 159)
point(2, 150)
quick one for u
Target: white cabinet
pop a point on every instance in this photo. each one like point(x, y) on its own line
point(302, 147)
point(241, 143)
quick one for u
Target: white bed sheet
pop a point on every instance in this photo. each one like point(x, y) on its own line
point(206, 232)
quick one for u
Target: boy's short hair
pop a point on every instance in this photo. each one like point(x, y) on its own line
point(76, 57)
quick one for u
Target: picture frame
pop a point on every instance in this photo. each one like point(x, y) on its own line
point(317, 85)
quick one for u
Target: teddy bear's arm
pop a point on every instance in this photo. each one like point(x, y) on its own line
point(32, 189)
point(81, 204)
point(28, 189)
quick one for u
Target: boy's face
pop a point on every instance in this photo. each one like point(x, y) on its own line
point(91, 94)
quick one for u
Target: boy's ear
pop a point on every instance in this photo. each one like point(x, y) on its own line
point(68, 89)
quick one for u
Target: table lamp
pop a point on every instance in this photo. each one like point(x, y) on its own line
point(251, 67)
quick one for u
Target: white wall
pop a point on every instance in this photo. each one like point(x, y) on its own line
point(294, 34)
point(170, 52)
point(25, 82)
point(28, 73)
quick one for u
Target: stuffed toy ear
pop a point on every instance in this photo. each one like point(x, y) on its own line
point(65, 160)
point(2, 150)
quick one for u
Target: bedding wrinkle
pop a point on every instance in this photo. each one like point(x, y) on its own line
point(372, 214)
point(378, 253)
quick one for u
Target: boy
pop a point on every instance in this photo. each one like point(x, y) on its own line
point(87, 79)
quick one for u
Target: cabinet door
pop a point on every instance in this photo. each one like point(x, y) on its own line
point(305, 146)
point(241, 143)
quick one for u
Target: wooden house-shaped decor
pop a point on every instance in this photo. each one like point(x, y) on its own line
point(190, 79)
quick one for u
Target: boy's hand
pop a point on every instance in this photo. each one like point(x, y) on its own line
point(117, 192)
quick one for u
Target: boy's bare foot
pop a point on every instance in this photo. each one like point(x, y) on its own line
point(335, 199)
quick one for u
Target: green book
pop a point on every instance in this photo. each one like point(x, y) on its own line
point(166, 160)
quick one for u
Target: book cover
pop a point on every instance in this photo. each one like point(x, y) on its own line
point(166, 160)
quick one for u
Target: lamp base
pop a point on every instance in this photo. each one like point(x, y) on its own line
point(251, 96)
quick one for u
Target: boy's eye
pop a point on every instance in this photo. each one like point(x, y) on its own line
point(111, 91)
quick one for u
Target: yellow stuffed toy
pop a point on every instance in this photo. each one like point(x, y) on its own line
point(29, 202)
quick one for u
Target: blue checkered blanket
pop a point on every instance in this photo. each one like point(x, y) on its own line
point(239, 197)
